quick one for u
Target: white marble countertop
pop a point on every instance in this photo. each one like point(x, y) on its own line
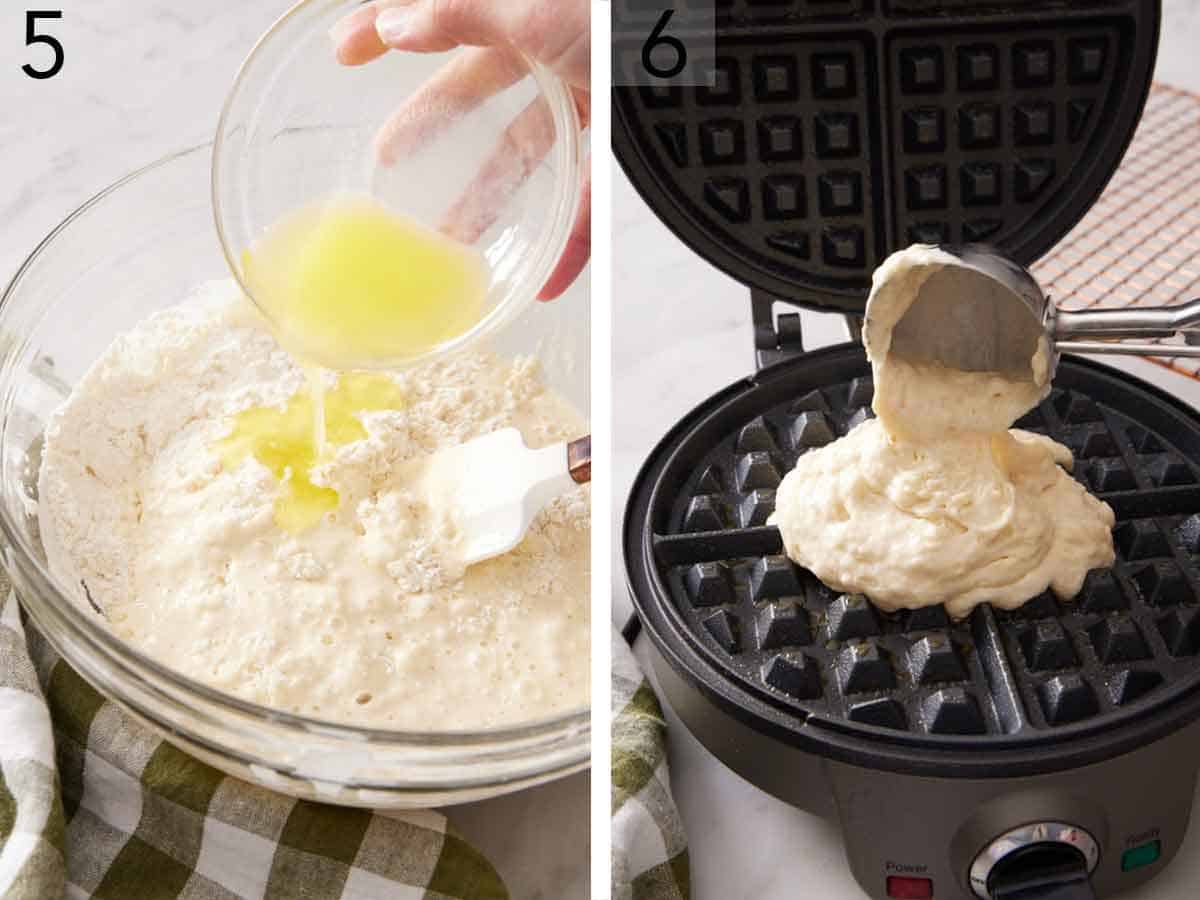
point(144, 78)
point(681, 331)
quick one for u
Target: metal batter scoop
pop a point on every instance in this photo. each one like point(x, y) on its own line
point(986, 313)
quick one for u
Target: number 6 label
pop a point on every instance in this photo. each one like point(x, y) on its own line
point(658, 40)
point(659, 43)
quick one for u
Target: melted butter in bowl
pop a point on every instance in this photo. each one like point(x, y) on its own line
point(293, 439)
point(349, 284)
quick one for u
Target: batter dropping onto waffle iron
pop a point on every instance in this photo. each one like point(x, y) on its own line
point(936, 500)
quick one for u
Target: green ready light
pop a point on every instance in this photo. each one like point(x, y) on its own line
point(1141, 855)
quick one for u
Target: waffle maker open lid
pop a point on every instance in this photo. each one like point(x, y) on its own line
point(836, 131)
point(833, 133)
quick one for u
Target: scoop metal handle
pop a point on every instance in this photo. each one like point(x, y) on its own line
point(1121, 348)
point(1102, 331)
point(1117, 324)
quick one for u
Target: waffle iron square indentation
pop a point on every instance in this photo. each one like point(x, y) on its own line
point(836, 132)
point(774, 161)
point(990, 126)
point(1132, 628)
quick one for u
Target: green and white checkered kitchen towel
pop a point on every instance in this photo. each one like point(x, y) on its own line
point(92, 804)
point(649, 847)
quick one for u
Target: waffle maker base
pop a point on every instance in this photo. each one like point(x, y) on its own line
point(939, 746)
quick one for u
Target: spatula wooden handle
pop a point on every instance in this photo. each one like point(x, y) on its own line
point(579, 459)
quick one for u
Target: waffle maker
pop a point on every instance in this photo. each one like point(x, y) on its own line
point(1049, 752)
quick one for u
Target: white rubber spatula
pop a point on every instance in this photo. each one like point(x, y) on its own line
point(493, 486)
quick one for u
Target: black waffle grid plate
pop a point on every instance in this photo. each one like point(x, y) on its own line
point(836, 132)
point(1126, 644)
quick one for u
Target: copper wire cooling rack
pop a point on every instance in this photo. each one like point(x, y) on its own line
point(1139, 245)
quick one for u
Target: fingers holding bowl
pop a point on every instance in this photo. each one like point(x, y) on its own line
point(459, 87)
point(484, 68)
point(355, 40)
point(522, 145)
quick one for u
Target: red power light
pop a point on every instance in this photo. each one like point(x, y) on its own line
point(902, 888)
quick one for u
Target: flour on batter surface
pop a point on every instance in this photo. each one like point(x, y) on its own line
point(363, 618)
point(936, 501)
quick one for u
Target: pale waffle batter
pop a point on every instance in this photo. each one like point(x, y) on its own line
point(936, 500)
point(362, 618)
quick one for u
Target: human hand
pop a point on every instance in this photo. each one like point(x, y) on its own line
point(554, 33)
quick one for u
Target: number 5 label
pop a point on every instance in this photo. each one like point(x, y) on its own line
point(34, 36)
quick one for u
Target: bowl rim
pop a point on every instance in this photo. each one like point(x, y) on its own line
point(120, 654)
point(567, 148)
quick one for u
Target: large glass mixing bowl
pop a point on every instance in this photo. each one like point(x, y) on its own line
point(139, 246)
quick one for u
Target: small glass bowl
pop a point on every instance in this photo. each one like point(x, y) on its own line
point(299, 128)
point(141, 245)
